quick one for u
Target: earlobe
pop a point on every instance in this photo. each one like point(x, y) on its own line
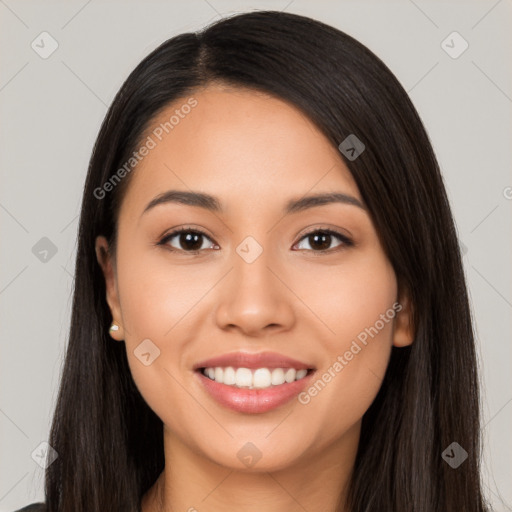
point(403, 332)
point(104, 258)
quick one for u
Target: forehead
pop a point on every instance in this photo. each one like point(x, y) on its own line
point(239, 145)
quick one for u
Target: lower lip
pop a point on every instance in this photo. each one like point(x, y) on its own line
point(253, 401)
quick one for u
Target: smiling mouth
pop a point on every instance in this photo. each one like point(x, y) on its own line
point(258, 378)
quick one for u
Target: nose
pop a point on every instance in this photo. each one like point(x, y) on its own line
point(254, 298)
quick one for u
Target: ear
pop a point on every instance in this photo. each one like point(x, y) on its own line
point(403, 332)
point(104, 258)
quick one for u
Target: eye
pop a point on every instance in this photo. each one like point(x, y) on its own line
point(189, 239)
point(320, 240)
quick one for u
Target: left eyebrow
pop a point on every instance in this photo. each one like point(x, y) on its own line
point(298, 205)
point(212, 204)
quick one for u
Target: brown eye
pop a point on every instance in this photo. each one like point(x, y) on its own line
point(320, 240)
point(186, 240)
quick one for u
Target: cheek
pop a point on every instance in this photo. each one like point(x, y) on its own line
point(157, 295)
point(160, 303)
point(346, 299)
point(358, 309)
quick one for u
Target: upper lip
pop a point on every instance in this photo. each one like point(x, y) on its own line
point(253, 361)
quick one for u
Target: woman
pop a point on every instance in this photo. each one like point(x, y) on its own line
point(270, 309)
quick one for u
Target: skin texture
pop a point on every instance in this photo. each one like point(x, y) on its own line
point(254, 153)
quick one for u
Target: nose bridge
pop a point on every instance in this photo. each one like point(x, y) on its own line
point(252, 276)
point(255, 298)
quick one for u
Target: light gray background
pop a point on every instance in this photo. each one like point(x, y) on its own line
point(51, 110)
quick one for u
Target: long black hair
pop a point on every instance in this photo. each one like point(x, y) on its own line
point(110, 443)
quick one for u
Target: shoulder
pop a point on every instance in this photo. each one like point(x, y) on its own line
point(35, 507)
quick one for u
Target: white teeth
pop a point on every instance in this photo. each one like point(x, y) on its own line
point(260, 378)
point(300, 374)
point(289, 376)
point(229, 376)
point(243, 378)
point(277, 376)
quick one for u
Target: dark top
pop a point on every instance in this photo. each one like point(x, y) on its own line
point(35, 507)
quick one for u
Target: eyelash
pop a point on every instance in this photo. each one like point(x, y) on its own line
point(346, 242)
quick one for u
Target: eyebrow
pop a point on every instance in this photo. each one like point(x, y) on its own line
point(212, 204)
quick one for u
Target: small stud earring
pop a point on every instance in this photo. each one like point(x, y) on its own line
point(114, 327)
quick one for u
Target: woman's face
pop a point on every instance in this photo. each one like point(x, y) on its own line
point(264, 277)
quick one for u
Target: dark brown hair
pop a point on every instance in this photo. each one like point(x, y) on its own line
point(110, 443)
